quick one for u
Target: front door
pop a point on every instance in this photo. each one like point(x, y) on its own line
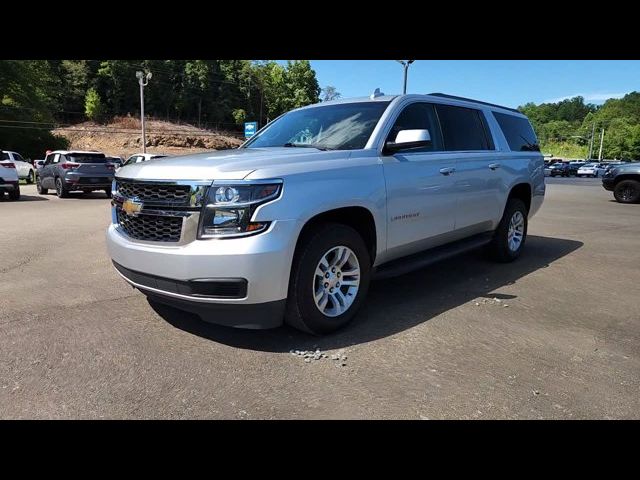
point(421, 197)
point(47, 170)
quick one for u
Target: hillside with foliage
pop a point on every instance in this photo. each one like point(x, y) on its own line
point(564, 128)
point(39, 95)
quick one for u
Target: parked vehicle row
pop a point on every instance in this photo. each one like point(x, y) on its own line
point(64, 171)
point(578, 169)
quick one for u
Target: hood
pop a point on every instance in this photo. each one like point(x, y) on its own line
point(627, 166)
point(233, 164)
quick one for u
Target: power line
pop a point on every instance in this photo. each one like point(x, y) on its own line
point(130, 132)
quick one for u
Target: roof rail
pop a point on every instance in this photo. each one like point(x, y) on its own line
point(453, 97)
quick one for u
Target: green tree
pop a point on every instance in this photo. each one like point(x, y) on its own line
point(93, 106)
point(239, 115)
point(330, 93)
point(26, 105)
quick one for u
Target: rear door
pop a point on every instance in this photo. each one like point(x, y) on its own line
point(466, 134)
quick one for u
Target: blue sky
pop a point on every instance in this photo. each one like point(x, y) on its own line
point(506, 82)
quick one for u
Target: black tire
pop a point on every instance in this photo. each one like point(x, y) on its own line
point(107, 192)
point(61, 192)
point(627, 191)
point(30, 177)
point(15, 193)
point(499, 248)
point(41, 191)
point(302, 312)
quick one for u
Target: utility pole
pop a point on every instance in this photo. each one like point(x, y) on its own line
point(141, 80)
point(601, 143)
point(405, 64)
point(593, 129)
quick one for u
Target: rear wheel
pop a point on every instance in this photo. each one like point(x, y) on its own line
point(107, 191)
point(627, 191)
point(329, 279)
point(15, 193)
point(60, 190)
point(511, 233)
point(41, 191)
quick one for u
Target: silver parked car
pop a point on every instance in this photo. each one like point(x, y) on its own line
point(294, 224)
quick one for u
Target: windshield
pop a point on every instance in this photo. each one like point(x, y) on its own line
point(345, 126)
point(88, 158)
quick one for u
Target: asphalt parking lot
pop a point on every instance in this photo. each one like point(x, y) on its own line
point(554, 335)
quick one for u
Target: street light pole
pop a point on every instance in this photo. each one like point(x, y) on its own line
point(141, 80)
point(593, 129)
point(601, 143)
point(405, 64)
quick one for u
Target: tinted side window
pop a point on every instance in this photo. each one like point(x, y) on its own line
point(18, 157)
point(518, 132)
point(418, 116)
point(4, 156)
point(463, 128)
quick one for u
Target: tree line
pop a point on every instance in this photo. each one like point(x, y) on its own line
point(565, 128)
point(37, 95)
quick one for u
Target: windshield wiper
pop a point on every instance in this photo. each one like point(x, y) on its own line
point(305, 145)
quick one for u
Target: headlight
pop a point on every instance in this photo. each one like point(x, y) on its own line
point(229, 207)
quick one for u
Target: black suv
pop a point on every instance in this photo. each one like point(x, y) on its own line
point(624, 182)
point(66, 171)
point(559, 170)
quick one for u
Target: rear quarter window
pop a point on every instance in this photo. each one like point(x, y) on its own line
point(518, 132)
point(463, 129)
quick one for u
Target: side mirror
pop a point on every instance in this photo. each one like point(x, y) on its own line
point(408, 139)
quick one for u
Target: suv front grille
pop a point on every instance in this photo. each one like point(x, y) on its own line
point(160, 193)
point(154, 228)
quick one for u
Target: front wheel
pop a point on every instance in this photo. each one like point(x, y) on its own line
point(627, 191)
point(107, 192)
point(30, 177)
point(329, 280)
point(41, 191)
point(511, 233)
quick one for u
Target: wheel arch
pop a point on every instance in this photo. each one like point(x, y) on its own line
point(358, 217)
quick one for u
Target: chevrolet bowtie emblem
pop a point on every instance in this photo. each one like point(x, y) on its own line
point(132, 206)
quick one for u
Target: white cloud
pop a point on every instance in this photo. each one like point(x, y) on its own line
point(589, 97)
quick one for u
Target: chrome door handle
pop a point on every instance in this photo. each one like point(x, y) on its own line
point(447, 170)
point(494, 166)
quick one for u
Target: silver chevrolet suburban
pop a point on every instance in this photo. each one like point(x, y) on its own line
point(294, 224)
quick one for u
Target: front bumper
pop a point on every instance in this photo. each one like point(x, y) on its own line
point(264, 260)
point(608, 183)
